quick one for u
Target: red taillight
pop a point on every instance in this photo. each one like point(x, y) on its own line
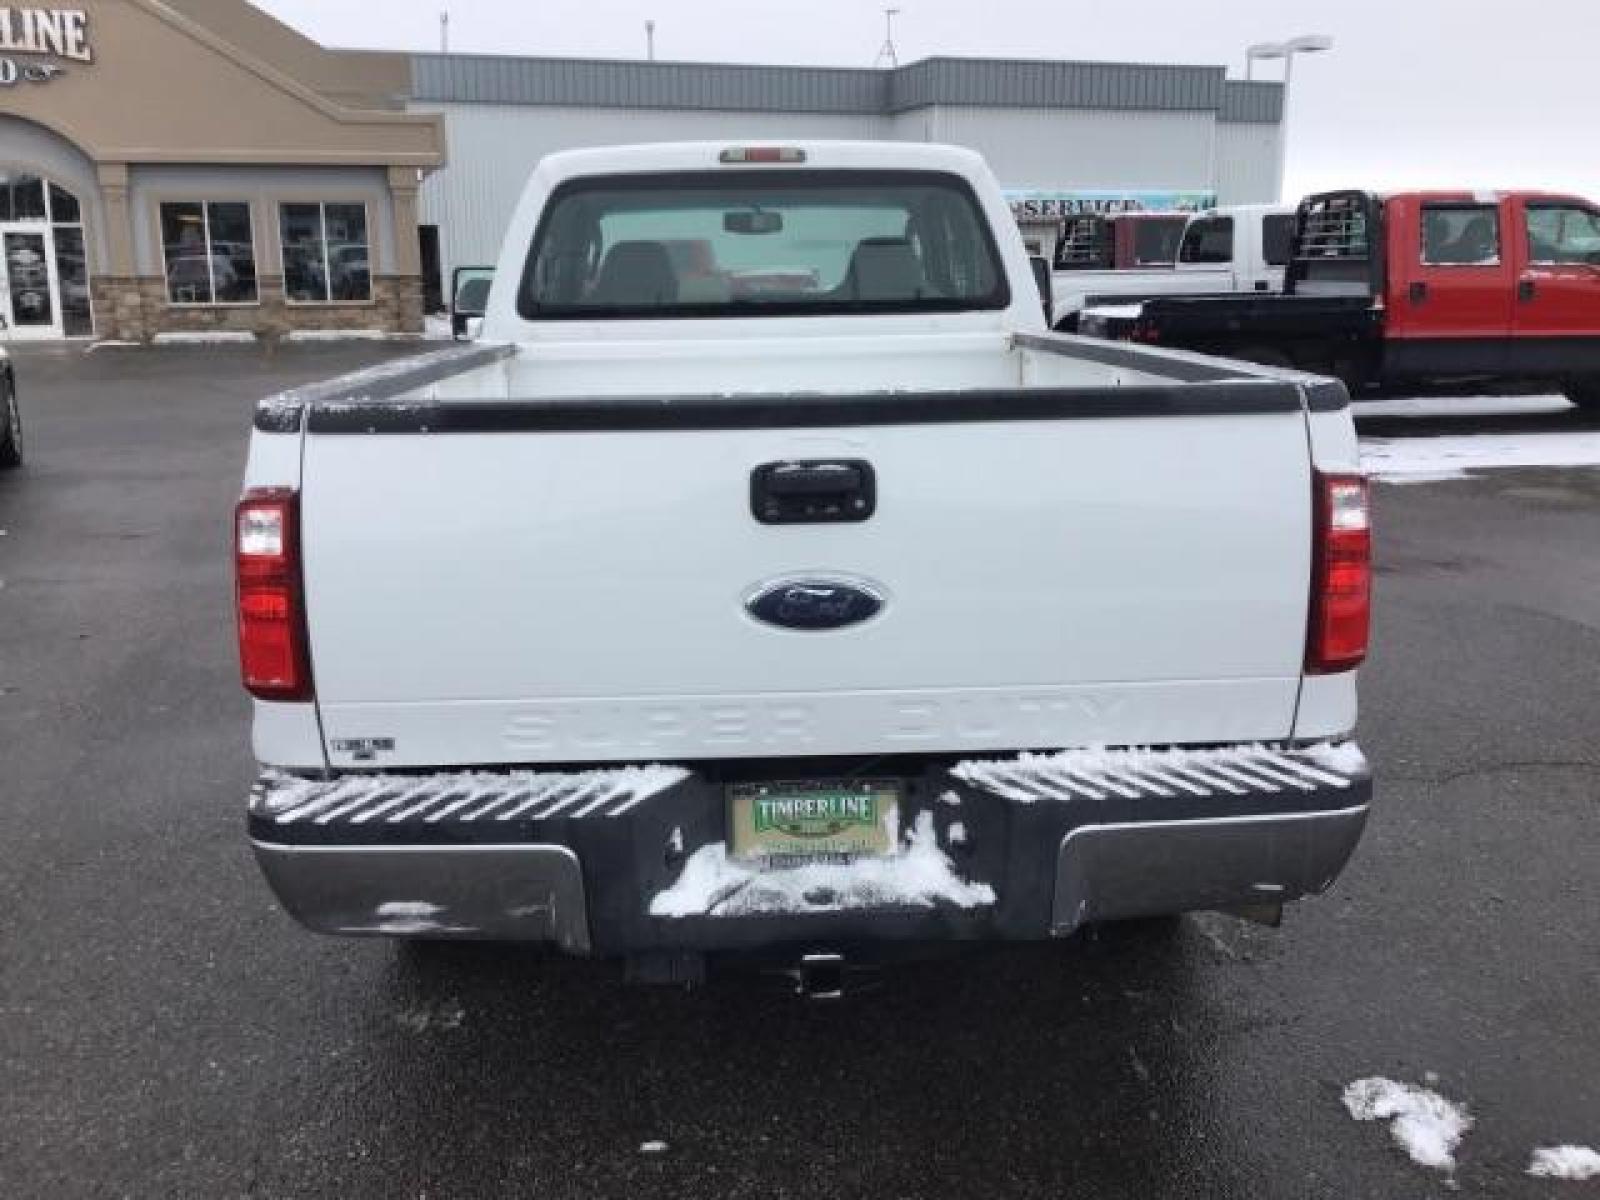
point(1341, 575)
point(272, 628)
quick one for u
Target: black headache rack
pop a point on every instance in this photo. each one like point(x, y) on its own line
point(1338, 246)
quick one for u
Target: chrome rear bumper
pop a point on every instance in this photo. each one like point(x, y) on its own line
point(575, 859)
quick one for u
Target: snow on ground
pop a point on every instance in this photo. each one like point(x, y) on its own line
point(214, 337)
point(1463, 406)
point(917, 875)
point(1426, 1125)
point(1402, 460)
point(336, 335)
point(1565, 1162)
point(421, 1019)
point(1431, 459)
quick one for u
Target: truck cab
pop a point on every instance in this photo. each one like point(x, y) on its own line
point(1244, 248)
point(1492, 283)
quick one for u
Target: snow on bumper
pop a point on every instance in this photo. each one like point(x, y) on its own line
point(630, 860)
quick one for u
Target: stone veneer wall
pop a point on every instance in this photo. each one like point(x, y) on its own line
point(135, 310)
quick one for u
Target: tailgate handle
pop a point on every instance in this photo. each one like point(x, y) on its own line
point(813, 491)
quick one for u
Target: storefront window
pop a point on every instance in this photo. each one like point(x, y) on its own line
point(72, 272)
point(22, 198)
point(64, 206)
point(209, 250)
point(326, 258)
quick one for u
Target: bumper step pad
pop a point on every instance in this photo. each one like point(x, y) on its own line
point(417, 802)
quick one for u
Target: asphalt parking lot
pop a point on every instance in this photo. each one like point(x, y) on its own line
point(166, 1032)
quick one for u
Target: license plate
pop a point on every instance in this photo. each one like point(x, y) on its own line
point(790, 824)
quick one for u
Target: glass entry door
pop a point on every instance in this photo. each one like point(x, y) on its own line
point(30, 295)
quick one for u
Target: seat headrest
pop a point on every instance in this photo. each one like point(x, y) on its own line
point(885, 268)
point(636, 273)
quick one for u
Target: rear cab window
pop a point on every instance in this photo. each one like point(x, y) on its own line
point(761, 243)
point(1460, 235)
point(1155, 241)
point(1208, 240)
point(1085, 244)
point(1277, 239)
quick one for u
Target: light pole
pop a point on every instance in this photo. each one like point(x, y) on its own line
point(1308, 43)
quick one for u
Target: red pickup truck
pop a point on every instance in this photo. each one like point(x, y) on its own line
point(1427, 290)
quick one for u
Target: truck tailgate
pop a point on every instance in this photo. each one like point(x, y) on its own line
point(514, 588)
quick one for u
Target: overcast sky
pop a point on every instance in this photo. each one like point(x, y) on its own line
point(1415, 92)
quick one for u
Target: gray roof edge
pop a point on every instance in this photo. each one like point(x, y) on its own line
point(939, 80)
point(1250, 102)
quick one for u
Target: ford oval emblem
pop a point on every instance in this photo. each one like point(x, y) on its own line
point(815, 603)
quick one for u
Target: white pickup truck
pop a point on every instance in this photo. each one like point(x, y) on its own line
point(769, 578)
point(1239, 248)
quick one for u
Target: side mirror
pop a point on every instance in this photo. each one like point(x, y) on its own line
point(469, 297)
point(1041, 279)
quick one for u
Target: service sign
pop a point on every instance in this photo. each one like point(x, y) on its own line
point(1039, 205)
point(35, 42)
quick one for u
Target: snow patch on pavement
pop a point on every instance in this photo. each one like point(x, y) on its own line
point(1565, 1162)
point(1426, 1125)
point(214, 337)
point(336, 335)
point(1402, 459)
point(421, 1019)
point(918, 875)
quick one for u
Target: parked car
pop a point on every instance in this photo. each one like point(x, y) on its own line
point(1455, 290)
point(851, 611)
point(1240, 248)
point(10, 412)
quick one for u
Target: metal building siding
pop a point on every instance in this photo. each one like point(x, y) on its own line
point(1247, 163)
point(593, 83)
point(1085, 148)
point(999, 83)
point(1251, 102)
point(1022, 83)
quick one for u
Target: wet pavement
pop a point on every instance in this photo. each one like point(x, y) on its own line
point(166, 1032)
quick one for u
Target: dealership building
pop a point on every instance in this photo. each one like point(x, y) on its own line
point(195, 166)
